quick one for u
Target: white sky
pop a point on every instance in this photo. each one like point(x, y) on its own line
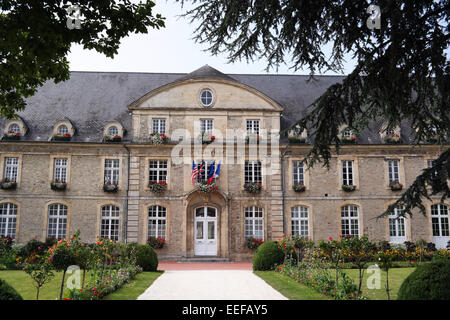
point(170, 49)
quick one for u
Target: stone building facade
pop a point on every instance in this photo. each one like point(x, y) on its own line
point(91, 109)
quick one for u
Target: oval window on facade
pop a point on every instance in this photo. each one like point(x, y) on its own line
point(206, 98)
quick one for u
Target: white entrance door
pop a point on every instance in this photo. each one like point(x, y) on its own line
point(439, 223)
point(205, 231)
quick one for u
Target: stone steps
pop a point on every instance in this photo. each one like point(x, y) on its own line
point(204, 259)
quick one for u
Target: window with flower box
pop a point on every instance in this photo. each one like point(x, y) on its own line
point(206, 126)
point(8, 219)
point(113, 131)
point(159, 126)
point(62, 130)
point(109, 228)
point(112, 171)
point(60, 169)
point(157, 218)
point(347, 173)
point(298, 173)
point(349, 220)
point(393, 171)
point(252, 127)
point(57, 221)
point(14, 128)
point(253, 172)
point(300, 221)
point(11, 169)
point(254, 223)
point(157, 171)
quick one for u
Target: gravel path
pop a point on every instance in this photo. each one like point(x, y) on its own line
point(210, 285)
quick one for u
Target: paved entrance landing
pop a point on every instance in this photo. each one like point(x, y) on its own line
point(210, 285)
point(204, 266)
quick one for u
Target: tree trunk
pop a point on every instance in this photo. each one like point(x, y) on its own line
point(387, 285)
point(62, 285)
point(84, 277)
point(360, 282)
point(37, 293)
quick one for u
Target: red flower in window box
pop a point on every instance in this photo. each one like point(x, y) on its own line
point(7, 184)
point(253, 187)
point(299, 187)
point(253, 243)
point(395, 186)
point(110, 187)
point(11, 135)
point(158, 138)
point(58, 185)
point(62, 137)
point(157, 187)
point(156, 243)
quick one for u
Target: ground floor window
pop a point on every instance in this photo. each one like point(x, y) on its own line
point(254, 223)
point(397, 230)
point(8, 219)
point(349, 220)
point(439, 220)
point(57, 221)
point(110, 223)
point(299, 216)
point(157, 222)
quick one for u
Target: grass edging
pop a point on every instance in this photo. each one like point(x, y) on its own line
point(136, 287)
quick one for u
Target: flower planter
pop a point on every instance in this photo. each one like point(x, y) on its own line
point(348, 188)
point(65, 137)
point(157, 187)
point(112, 139)
point(395, 186)
point(254, 243)
point(392, 139)
point(156, 243)
point(348, 140)
point(158, 138)
point(8, 185)
point(297, 140)
point(58, 186)
point(207, 138)
point(11, 137)
point(108, 187)
point(299, 187)
point(253, 187)
point(207, 188)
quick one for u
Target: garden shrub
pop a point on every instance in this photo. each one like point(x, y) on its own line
point(7, 292)
point(268, 256)
point(146, 257)
point(430, 281)
point(8, 260)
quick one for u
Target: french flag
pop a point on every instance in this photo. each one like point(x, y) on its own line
point(215, 175)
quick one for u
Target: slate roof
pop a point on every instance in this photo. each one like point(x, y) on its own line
point(92, 99)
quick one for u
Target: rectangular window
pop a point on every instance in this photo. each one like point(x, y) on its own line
point(347, 172)
point(159, 125)
point(157, 222)
point(252, 127)
point(396, 224)
point(57, 221)
point(349, 221)
point(299, 216)
point(157, 171)
point(254, 223)
point(11, 169)
point(393, 175)
point(110, 223)
point(206, 125)
point(112, 171)
point(205, 170)
point(298, 174)
point(253, 171)
point(60, 169)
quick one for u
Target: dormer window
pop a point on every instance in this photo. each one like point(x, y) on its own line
point(297, 136)
point(391, 135)
point(62, 130)
point(206, 97)
point(14, 128)
point(348, 135)
point(113, 132)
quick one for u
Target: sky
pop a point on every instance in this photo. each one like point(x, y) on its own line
point(170, 49)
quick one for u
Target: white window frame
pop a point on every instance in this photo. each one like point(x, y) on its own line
point(113, 131)
point(62, 129)
point(8, 219)
point(348, 172)
point(206, 126)
point(253, 126)
point(59, 213)
point(298, 172)
point(254, 222)
point(160, 171)
point(440, 220)
point(300, 221)
point(397, 226)
point(60, 166)
point(202, 175)
point(393, 171)
point(253, 172)
point(112, 171)
point(350, 222)
point(14, 127)
point(12, 168)
point(159, 125)
point(110, 222)
point(157, 222)
point(206, 97)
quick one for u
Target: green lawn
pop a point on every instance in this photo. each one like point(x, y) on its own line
point(24, 285)
point(288, 287)
point(295, 291)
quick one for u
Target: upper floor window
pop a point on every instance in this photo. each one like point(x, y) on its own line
point(298, 174)
point(57, 221)
point(113, 131)
point(110, 223)
point(60, 169)
point(299, 216)
point(14, 128)
point(11, 169)
point(253, 171)
point(254, 223)
point(393, 172)
point(157, 171)
point(347, 132)
point(157, 222)
point(206, 169)
point(206, 97)
point(62, 129)
point(252, 127)
point(159, 126)
point(206, 125)
point(349, 220)
point(8, 219)
point(347, 172)
point(112, 171)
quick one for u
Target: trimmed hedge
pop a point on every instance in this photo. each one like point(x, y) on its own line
point(430, 281)
point(267, 256)
point(7, 292)
point(146, 257)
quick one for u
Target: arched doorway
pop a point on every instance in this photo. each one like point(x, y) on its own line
point(205, 231)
